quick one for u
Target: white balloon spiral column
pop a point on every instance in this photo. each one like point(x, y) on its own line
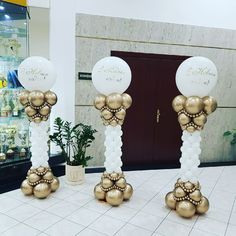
point(111, 76)
point(195, 78)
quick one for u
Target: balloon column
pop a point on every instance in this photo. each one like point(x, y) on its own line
point(195, 78)
point(111, 76)
point(37, 75)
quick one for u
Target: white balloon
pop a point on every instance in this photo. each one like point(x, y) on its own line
point(196, 76)
point(37, 73)
point(111, 75)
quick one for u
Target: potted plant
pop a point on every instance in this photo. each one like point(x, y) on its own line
point(73, 141)
point(231, 133)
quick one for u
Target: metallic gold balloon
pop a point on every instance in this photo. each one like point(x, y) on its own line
point(113, 123)
point(50, 98)
point(41, 169)
point(26, 188)
point(179, 192)
point(106, 183)
point(170, 200)
point(23, 97)
point(121, 122)
point(127, 100)
point(33, 178)
point(185, 209)
point(203, 206)
point(42, 190)
point(45, 118)
point(45, 110)
point(183, 119)
point(190, 129)
point(121, 183)
point(210, 104)
point(114, 175)
point(106, 114)
point(178, 103)
point(188, 185)
point(196, 195)
point(55, 184)
point(36, 98)
point(48, 176)
point(37, 119)
point(99, 193)
point(114, 197)
point(128, 192)
point(114, 101)
point(121, 114)
point(200, 120)
point(100, 101)
point(30, 111)
point(193, 105)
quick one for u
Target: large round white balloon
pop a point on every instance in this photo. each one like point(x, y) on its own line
point(37, 73)
point(111, 75)
point(196, 76)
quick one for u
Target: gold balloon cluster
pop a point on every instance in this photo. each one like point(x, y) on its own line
point(193, 111)
point(113, 107)
point(187, 199)
point(40, 182)
point(113, 189)
point(37, 104)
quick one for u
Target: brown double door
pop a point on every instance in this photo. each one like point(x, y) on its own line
point(151, 133)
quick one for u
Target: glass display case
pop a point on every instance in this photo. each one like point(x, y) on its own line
point(14, 132)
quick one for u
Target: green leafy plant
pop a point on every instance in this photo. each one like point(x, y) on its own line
point(231, 133)
point(73, 141)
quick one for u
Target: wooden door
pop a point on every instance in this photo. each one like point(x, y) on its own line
point(147, 142)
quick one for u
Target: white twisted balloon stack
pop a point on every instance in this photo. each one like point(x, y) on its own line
point(111, 76)
point(37, 75)
point(195, 78)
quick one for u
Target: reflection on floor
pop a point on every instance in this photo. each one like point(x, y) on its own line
point(72, 210)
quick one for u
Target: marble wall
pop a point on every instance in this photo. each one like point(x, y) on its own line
point(97, 36)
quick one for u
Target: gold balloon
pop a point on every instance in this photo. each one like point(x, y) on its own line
point(99, 193)
point(106, 114)
point(178, 103)
point(121, 114)
point(26, 188)
point(114, 101)
point(190, 129)
point(170, 200)
point(23, 97)
point(30, 111)
point(183, 119)
point(36, 98)
point(128, 192)
point(196, 195)
point(113, 123)
point(37, 119)
point(48, 176)
point(185, 209)
point(121, 122)
point(127, 100)
point(33, 178)
point(45, 118)
point(50, 98)
point(193, 105)
point(114, 175)
point(203, 206)
point(121, 183)
point(114, 197)
point(41, 169)
point(55, 184)
point(188, 185)
point(179, 192)
point(45, 110)
point(200, 120)
point(106, 183)
point(100, 101)
point(210, 104)
point(42, 190)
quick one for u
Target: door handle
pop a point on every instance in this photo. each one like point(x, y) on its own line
point(158, 115)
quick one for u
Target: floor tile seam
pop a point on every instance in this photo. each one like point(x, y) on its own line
point(231, 212)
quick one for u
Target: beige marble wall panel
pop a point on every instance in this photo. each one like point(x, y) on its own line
point(148, 31)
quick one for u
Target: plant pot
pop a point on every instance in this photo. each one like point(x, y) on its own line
point(75, 174)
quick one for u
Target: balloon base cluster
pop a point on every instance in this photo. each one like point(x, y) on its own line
point(187, 199)
point(40, 182)
point(113, 189)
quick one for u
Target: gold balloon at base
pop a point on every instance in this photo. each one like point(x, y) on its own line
point(26, 188)
point(42, 190)
point(187, 199)
point(113, 189)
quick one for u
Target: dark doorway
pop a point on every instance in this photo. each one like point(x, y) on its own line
point(152, 136)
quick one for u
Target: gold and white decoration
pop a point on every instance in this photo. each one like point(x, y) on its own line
point(111, 76)
point(195, 78)
point(37, 75)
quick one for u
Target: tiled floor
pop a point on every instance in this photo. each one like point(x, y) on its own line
point(72, 210)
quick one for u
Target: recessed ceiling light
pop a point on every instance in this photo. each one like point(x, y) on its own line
point(7, 17)
point(2, 8)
